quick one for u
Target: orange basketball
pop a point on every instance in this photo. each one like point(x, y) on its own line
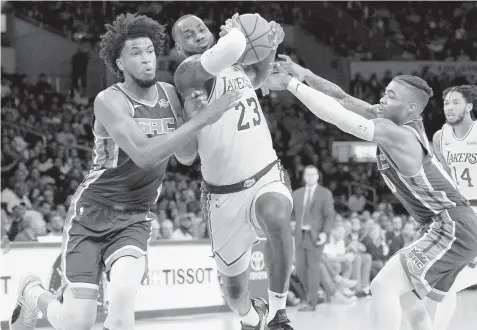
point(259, 37)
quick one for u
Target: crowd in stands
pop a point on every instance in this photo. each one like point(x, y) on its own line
point(444, 31)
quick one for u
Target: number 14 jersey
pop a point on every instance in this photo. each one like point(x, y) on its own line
point(239, 144)
point(461, 156)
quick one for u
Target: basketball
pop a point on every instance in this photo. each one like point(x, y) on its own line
point(259, 37)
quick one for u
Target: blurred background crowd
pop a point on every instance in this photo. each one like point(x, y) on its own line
point(46, 132)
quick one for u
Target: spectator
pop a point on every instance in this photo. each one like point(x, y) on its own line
point(357, 201)
point(348, 263)
point(313, 212)
point(55, 225)
point(396, 229)
point(33, 226)
point(167, 229)
point(155, 230)
point(183, 232)
point(333, 283)
point(376, 246)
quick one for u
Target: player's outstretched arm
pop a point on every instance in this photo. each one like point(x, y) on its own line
point(436, 143)
point(349, 102)
point(380, 130)
point(113, 113)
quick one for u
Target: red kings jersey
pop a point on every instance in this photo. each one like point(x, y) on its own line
point(114, 177)
point(427, 193)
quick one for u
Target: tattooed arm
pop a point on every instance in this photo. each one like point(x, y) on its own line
point(327, 87)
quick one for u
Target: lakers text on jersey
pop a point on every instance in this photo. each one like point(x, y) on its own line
point(239, 144)
point(461, 156)
point(114, 176)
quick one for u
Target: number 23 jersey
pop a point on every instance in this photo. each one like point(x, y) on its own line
point(239, 144)
point(461, 156)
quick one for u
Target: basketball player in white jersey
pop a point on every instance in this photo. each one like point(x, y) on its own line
point(456, 146)
point(245, 188)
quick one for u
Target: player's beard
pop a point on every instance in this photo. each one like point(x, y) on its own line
point(457, 119)
point(144, 83)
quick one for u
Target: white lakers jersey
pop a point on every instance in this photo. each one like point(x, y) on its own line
point(461, 156)
point(239, 144)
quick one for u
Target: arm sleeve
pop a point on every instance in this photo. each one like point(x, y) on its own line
point(226, 52)
point(330, 110)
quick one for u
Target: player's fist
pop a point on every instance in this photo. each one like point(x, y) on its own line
point(292, 68)
point(218, 107)
point(194, 103)
point(230, 24)
point(278, 34)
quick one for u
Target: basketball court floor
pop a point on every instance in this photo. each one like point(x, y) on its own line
point(354, 316)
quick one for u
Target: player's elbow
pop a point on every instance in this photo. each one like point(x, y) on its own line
point(186, 159)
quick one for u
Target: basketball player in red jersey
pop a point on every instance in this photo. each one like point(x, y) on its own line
point(137, 127)
point(245, 188)
point(408, 165)
point(455, 146)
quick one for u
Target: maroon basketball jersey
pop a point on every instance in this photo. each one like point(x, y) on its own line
point(114, 176)
point(427, 193)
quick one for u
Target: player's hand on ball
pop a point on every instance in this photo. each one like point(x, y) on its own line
point(229, 25)
point(194, 103)
point(278, 34)
point(292, 68)
point(277, 80)
point(218, 107)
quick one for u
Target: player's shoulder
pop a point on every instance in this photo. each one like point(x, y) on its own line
point(110, 101)
point(186, 71)
point(436, 138)
point(169, 88)
point(108, 94)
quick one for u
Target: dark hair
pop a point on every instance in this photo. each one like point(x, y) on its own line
point(127, 27)
point(415, 82)
point(469, 92)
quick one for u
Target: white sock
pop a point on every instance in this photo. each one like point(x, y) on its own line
point(55, 314)
point(276, 301)
point(251, 318)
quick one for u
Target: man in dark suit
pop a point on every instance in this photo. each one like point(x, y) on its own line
point(314, 213)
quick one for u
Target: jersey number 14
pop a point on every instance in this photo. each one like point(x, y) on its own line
point(242, 125)
point(465, 176)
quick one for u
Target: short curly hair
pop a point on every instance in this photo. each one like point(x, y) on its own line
point(469, 92)
point(126, 27)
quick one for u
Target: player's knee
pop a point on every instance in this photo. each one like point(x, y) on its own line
point(273, 212)
point(77, 319)
point(235, 287)
point(78, 313)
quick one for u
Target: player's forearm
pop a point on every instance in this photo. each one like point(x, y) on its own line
point(329, 110)
point(349, 102)
point(159, 148)
point(262, 69)
point(226, 52)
